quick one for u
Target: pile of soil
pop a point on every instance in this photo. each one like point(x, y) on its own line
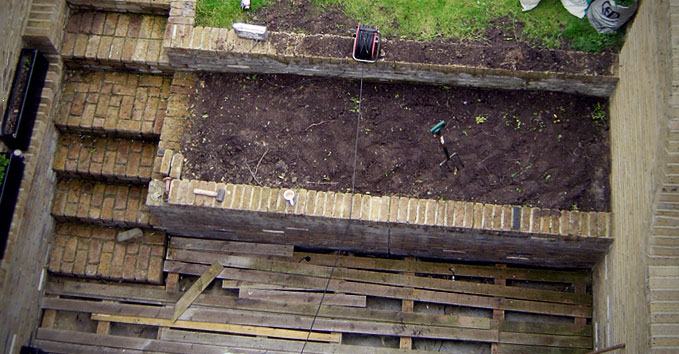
point(515, 147)
point(500, 47)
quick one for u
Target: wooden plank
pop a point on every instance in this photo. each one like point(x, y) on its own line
point(550, 340)
point(302, 297)
point(221, 327)
point(330, 312)
point(70, 348)
point(201, 283)
point(275, 345)
point(274, 265)
point(124, 344)
point(213, 319)
point(234, 247)
point(442, 268)
point(546, 328)
point(407, 306)
point(339, 285)
point(525, 349)
point(239, 284)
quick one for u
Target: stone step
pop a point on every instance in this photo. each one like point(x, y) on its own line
point(118, 160)
point(92, 251)
point(151, 7)
point(109, 40)
point(102, 203)
point(119, 104)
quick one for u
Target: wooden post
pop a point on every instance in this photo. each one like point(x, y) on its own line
point(581, 289)
point(104, 327)
point(407, 306)
point(498, 315)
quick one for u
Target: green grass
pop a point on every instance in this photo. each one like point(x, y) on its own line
point(548, 25)
point(223, 13)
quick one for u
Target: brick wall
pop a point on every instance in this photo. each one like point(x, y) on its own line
point(32, 225)
point(219, 49)
point(383, 225)
point(638, 129)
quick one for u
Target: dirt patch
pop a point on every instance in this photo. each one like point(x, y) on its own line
point(500, 47)
point(524, 148)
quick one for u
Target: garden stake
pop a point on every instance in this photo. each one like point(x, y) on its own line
point(436, 131)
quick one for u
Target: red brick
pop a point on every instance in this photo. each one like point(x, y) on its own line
point(94, 252)
point(123, 23)
point(121, 197)
point(155, 269)
point(133, 27)
point(98, 23)
point(69, 249)
point(132, 248)
point(105, 264)
point(56, 254)
point(80, 262)
point(129, 267)
point(110, 25)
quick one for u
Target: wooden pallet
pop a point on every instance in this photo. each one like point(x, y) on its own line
point(269, 296)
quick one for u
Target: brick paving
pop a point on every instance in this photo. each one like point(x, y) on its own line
point(92, 251)
point(113, 103)
point(102, 203)
point(114, 40)
point(122, 160)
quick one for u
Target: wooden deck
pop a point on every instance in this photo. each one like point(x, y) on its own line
point(266, 297)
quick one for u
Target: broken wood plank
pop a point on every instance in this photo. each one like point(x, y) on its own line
point(338, 285)
point(201, 283)
point(442, 268)
point(221, 327)
point(302, 297)
point(274, 265)
point(231, 246)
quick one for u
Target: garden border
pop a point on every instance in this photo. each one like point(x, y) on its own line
point(388, 225)
point(219, 49)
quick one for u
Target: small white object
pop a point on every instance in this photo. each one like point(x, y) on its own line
point(245, 4)
point(289, 195)
point(245, 30)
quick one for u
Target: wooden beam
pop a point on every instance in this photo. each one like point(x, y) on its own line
point(231, 247)
point(444, 268)
point(203, 282)
point(297, 297)
point(221, 327)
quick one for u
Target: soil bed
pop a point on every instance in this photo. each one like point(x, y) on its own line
point(500, 47)
point(523, 148)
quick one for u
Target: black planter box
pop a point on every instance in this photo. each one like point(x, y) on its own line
point(9, 191)
point(24, 99)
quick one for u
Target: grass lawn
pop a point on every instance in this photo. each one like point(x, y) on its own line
point(548, 24)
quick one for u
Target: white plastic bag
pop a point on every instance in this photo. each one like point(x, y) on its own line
point(607, 17)
point(577, 8)
point(528, 5)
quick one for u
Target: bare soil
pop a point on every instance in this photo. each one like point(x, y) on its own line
point(523, 148)
point(500, 47)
